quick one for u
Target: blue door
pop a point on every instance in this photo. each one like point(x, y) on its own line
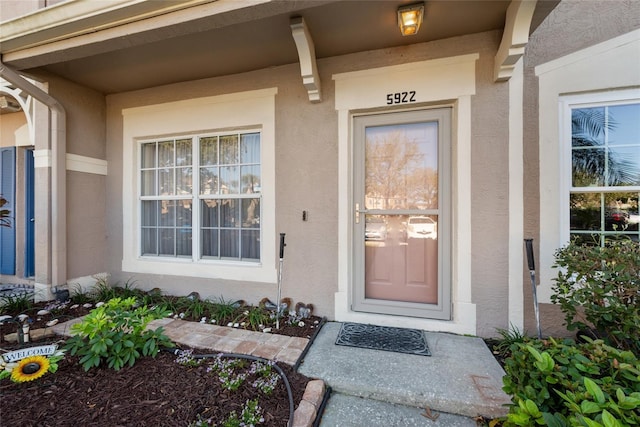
point(29, 209)
point(8, 192)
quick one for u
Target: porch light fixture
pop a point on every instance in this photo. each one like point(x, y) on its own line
point(410, 18)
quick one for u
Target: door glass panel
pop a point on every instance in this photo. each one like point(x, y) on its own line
point(401, 249)
point(401, 163)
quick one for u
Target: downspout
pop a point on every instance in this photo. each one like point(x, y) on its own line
point(57, 144)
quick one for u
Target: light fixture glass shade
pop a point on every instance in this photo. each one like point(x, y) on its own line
point(410, 18)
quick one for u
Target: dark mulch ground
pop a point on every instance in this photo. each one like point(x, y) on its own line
point(154, 392)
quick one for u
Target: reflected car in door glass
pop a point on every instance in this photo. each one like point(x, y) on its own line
point(422, 227)
point(375, 229)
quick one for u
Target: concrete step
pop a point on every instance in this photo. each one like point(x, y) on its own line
point(349, 411)
point(461, 377)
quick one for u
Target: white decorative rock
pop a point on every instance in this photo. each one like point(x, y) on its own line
point(266, 330)
point(23, 317)
point(43, 312)
point(99, 304)
point(74, 306)
point(52, 322)
point(5, 317)
point(87, 305)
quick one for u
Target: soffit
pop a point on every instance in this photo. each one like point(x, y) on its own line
point(164, 49)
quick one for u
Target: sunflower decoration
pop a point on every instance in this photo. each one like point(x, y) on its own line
point(30, 368)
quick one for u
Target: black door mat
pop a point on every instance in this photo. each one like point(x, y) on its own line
point(399, 340)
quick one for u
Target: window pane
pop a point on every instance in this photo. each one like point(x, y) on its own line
point(165, 153)
point(251, 213)
point(229, 149)
point(588, 167)
point(183, 242)
point(250, 148)
point(167, 241)
point(184, 179)
point(401, 163)
point(209, 180)
point(209, 213)
point(624, 166)
point(229, 214)
point(588, 127)
point(627, 124)
point(149, 241)
point(229, 179)
point(586, 212)
point(250, 244)
point(210, 243)
point(149, 155)
point(168, 213)
point(183, 152)
point(165, 181)
point(621, 212)
point(209, 151)
point(229, 247)
point(183, 213)
point(148, 184)
point(149, 213)
point(250, 179)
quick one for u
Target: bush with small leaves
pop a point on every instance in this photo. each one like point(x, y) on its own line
point(567, 384)
point(598, 289)
point(116, 333)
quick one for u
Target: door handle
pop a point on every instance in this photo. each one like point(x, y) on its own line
point(358, 211)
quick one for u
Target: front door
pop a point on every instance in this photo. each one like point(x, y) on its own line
point(401, 213)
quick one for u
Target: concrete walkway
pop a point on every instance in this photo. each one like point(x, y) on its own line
point(460, 381)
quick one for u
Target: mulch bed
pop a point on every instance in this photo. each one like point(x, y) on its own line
point(154, 392)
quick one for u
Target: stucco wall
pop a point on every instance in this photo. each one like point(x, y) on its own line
point(306, 176)
point(86, 206)
point(578, 24)
point(13, 129)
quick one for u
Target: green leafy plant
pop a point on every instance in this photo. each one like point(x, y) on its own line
point(16, 303)
point(254, 317)
point(509, 338)
point(223, 311)
point(251, 415)
point(116, 333)
point(80, 295)
point(598, 289)
point(563, 383)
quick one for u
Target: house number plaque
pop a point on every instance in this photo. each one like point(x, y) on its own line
point(401, 97)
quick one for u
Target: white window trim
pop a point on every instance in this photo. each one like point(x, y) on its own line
point(252, 109)
point(613, 65)
point(439, 82)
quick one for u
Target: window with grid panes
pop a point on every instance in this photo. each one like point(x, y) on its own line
point(200, 197)
point(605, 171)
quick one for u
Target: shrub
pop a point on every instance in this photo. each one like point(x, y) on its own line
point(568, 384)
point(599, 287)
point(116, 333)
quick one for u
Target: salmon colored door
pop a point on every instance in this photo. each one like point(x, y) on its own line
point(401, 215)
